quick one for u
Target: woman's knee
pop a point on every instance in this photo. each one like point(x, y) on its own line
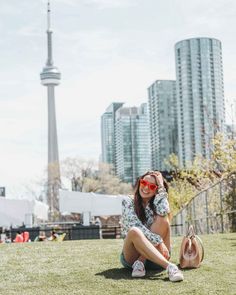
point(161, 224)
point(134, 232)
point(162, 220)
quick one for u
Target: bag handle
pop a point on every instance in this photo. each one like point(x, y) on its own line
point(191, 234)
point(200, 242)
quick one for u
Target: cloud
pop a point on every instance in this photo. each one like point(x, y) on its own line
point(29, 31)
point(89, 45)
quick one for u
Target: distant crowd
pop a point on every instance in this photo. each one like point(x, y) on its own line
point(24, 237)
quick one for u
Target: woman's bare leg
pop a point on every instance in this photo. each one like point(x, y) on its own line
point(136, 245)
point(161, 226)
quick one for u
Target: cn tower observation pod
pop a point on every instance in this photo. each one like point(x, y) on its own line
point(50, 76)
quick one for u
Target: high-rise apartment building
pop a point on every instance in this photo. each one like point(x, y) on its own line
point(108, 133)
point(200, 96)
point(132, 142)
point(163, 122)
point(125, 140)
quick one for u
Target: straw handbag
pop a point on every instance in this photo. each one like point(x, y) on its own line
point(191, 251)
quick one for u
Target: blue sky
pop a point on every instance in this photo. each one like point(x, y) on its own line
point(106, 50)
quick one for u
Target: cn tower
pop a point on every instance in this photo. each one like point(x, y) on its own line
point(50, 77)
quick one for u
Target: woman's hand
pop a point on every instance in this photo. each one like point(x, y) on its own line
point(159, 179)
point(163, 250)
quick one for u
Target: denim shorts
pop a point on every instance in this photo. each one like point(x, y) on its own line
point(148, 264)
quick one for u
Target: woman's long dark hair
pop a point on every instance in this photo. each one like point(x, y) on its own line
point(138, 202)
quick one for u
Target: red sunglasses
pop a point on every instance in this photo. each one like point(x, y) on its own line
point(150, 185)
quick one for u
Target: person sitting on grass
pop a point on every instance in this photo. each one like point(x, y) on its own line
point(42, 237)
point(53, 236)
point(146, 229)
point(19, 238)
point(26, 237)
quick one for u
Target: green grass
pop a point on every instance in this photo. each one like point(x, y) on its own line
point(93, 267)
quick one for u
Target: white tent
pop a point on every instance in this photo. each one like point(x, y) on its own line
point(96, 204)
point(16, 212)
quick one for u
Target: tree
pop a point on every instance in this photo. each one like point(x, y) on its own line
point(85, 177)
point(77, 170)
point(201, 173)
point(224, 154)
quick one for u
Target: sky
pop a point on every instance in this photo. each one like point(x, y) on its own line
point(107, 51)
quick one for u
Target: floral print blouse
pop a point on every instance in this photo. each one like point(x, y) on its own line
point(130, 218)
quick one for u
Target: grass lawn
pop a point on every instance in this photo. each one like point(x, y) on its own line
point(93, 267)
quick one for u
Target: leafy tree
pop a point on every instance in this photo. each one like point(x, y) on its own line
point(200, 174)
point(224, 154)
point(180, 192)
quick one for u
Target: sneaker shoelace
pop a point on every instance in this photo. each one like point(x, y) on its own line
point(172, 269)
point(138, 266)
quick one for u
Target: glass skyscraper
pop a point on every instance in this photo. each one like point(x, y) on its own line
point(108, 133)
point(200, 96)
point(126, 140)
point(132, 141)
point(163, 122)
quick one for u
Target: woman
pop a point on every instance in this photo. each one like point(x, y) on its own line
point(146, 228)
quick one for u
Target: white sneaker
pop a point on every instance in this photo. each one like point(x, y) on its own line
point(175, 275)
point(138, 269)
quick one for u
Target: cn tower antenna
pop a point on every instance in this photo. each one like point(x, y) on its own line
point(49, 36)
point(49, 23)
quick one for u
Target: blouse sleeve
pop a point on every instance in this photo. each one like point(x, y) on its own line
point(161, 203)
point(130, 219)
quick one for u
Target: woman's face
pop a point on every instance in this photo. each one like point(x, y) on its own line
point(148, 187)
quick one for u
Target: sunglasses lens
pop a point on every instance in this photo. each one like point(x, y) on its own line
point(143, 182)
point(152, 186)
